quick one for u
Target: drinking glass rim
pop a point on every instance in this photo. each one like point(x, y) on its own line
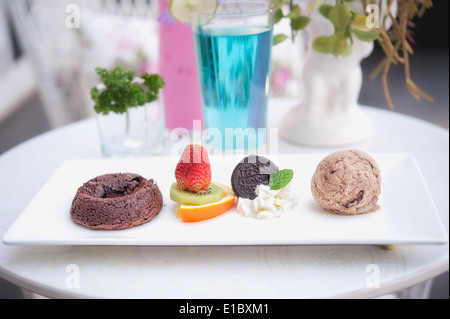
point(270, 6)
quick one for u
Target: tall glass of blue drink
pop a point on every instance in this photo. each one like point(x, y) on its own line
point(233, 49)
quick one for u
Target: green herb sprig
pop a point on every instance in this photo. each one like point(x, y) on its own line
point(123, 90)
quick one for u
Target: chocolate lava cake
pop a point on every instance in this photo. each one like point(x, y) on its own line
point(116, 201)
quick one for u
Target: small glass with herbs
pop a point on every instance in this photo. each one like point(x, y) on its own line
point(130, 114)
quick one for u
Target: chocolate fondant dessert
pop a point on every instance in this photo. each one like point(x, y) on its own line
point(116, 201)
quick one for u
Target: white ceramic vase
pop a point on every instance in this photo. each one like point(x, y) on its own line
point(329, 113)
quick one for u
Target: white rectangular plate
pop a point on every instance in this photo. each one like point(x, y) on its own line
point(407, 214)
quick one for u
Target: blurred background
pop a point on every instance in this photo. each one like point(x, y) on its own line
point(46, 69)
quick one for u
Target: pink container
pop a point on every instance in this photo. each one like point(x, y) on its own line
point(178, 67)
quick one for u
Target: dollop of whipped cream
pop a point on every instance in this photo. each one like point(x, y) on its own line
point(269, 203)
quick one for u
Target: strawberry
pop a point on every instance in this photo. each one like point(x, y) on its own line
point(193, 171)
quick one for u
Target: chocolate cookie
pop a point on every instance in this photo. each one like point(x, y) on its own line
point(116, 201)
point(252, 171)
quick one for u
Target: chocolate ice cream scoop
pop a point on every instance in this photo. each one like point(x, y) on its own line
point(347, 182)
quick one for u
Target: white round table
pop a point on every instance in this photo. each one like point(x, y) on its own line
point(219, 271)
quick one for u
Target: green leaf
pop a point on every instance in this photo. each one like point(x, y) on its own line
point(320, 44)
point(354, 13)
point(299, 23)
point(340, 15)
point(337, 44)
point(278, 38)
point(278, 15)
point(359, 23)
point(280, 179)
point(295, 12)
point(325, 10)
point(333, 44)
point(367, 36)
point(387, 247)
point(278, 4)
point(347, 51)
point(313, 5)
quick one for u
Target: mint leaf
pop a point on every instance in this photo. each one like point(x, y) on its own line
point(280, 179)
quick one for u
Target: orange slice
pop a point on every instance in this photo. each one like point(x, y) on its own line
point(196, 213)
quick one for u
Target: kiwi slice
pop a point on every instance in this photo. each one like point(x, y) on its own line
point(211, 195)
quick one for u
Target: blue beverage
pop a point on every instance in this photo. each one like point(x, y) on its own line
point(234, 72)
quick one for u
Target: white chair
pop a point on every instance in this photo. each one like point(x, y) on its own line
point(6, 51)
point(17, 81)
point(59, 51)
